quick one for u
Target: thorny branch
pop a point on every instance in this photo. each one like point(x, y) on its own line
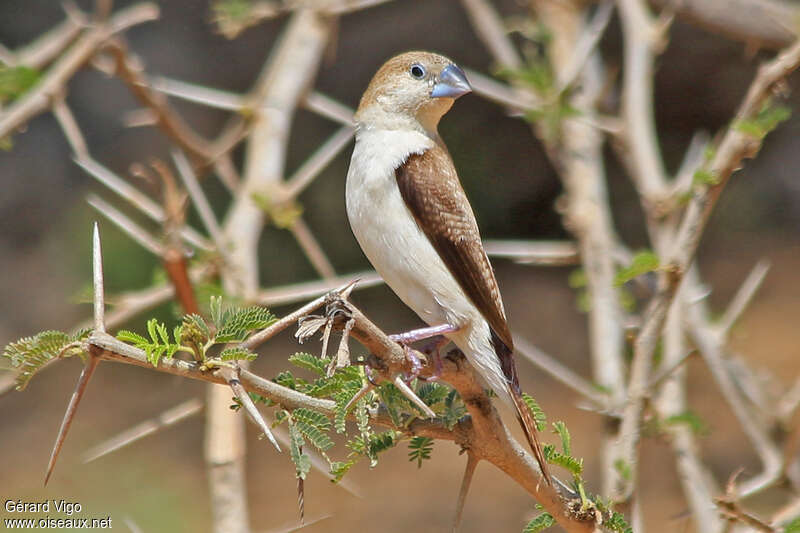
point(574, 57)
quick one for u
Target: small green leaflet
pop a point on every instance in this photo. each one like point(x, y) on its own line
point(617, 524)
point(314, 426)
point(643, 262)
point(237, 324)
point(575, 466)
point(540, 523)
point(302, 462)
point(237, 353)
point(159, 344)
point(14, 81)
point(28, 355)
point(419, 449)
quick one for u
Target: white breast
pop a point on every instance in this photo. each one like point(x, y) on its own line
point(400, 251)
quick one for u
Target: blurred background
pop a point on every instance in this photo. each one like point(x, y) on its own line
point(159, 482)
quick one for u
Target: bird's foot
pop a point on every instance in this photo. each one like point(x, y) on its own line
point(410, 337)
point(432, 349)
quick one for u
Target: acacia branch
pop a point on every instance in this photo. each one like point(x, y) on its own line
point(40, 97)
point(483, 432)
point(758, 23)
point(734, 147)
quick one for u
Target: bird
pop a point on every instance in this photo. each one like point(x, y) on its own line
point(414, 223)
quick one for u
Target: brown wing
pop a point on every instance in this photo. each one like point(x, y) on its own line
point(430, 188)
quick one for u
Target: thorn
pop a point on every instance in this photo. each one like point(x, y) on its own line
point(360, 394)
point(97, 281)
point(344, 292)
point(472, 462)
point(251, 410)
point(80, 388)
point(408, 393)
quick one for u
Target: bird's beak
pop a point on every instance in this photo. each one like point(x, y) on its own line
point(451, 83)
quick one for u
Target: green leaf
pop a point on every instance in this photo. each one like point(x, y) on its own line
point(311, 417)
point(159, 344)
point(340, 468)
point(767, 119)
point(15, 81)
point(617, 523)
point(215, 310)
point(432, 393)
point(538, 414)
point(195, 334)
point(696, 424)
point(315, 364)
point(793, 526)
point(342, 398)
point(237, 324)
point(314, 435)
point(705, 177)
point(302, 462)
point(560, 429)
point(131, 337)
point(419, 449)
point(623, 469)
point(575, 466)
point(643, 262)
point(454, 409)
point(540, 523)
point(314, 426)
point(28, 355)
point(237, 353)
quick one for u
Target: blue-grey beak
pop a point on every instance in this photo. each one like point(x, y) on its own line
point(452, 83)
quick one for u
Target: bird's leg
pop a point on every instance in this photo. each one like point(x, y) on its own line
point(432, 349)
point(410, 337)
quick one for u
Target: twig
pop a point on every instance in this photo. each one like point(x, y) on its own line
point(555, 253)
point(312, 249)
point(743, 297)
point(466, 481)
point(198, 94)
point(170, 122)
point(267, 333)
point(559, 371)
point(766, 23)
point(51, 43)
point(492, 32)
point(734, 147)
point(637, 98)
point(39, 98)
point(166, 419)
point(133, 230)
point(199, 199)
point(517, 101)
point(697, 483)
point(297, 292)
point(767, 451)
point(91, 361)
point(304, 175)
point(328, 107)
point(139, 200)
point(592, 31)
point(70, 128)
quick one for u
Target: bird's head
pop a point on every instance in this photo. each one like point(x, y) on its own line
point(412, 90)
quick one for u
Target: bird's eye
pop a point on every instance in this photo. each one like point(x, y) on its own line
point(417, 71)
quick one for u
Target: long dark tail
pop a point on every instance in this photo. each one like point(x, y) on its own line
point(529, 428)
point(506, 356)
